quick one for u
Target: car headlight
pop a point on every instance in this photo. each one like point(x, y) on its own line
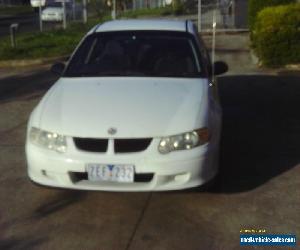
point(48, 140)
point(183, 141)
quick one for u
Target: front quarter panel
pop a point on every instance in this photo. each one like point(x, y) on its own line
point(36, 114)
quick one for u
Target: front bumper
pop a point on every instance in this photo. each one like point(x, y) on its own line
point(52, 18)
point(176, 170)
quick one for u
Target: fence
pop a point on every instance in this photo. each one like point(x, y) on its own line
point(224, 15)
point(229, 14)
point(142, 4)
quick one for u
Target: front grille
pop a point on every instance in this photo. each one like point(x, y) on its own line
point(78, 176)
point(131, 145)
point(120, 145)
point(83, 176)
point(91, 145)
point(143, 177)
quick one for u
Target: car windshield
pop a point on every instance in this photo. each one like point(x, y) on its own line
point(136, 53)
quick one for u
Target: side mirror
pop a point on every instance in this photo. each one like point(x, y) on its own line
point(58, 68)
point(220, 67)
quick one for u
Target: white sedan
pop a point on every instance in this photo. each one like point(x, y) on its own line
point(54, 14)
point(134, 110)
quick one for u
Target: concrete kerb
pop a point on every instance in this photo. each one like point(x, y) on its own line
point(12, 17)
point(224, 31)
point(31, 62)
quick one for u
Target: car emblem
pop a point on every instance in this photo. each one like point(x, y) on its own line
point(112, 131)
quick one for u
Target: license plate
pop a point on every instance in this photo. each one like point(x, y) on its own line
point(106, 172)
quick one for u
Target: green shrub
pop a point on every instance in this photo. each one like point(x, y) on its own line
point(276, 35)
point(255, 6)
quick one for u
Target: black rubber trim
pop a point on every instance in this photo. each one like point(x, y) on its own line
point(97, 26)
point(186, 26)
point(138, 177)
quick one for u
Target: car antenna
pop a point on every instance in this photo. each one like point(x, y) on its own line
point(213, 47)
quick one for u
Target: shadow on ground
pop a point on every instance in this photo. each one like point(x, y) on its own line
point(64, 198)
point(26, 87)
point(261, 129)
point(24, 243)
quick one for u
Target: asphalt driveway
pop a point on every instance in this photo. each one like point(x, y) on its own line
point(258, 185)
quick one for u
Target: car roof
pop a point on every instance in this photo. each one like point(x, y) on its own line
point(159, 25)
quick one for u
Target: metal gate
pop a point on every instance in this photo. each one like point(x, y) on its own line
point(223, 11)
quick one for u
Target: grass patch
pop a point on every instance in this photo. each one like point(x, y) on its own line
point(40, 45)
point(45, 44)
